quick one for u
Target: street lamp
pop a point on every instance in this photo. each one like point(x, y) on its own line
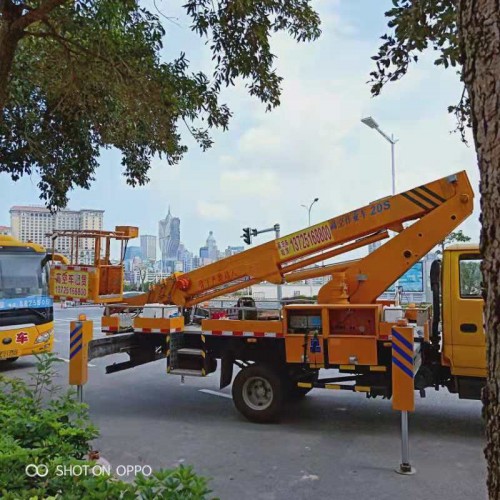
point(370, 122)
point(308, 208)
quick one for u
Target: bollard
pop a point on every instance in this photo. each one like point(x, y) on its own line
point(403, 390)
point(81, 333)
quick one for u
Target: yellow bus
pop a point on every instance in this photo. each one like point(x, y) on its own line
point(26, 309)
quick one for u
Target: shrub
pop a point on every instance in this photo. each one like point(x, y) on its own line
point(41, 424)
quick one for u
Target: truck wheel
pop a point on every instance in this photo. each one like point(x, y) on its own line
point(258, 393)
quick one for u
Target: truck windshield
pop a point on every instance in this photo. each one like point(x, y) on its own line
point(23, 281)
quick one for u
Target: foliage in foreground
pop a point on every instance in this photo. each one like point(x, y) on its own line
point(79, 76)
point(41, 424)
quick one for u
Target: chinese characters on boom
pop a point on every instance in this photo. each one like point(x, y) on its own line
point(303, 240)
point(315, 236)
point(71, 283)
point(361, 214)
point(218, 279)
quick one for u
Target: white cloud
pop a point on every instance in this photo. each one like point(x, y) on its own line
point(259, 183)
point(213, 210)
point(267, 165)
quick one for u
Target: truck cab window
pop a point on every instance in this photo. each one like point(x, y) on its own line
point(470, 277)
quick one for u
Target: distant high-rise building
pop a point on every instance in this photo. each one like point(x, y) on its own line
point(186, 257)
point(131, 252)
point(169, 233)
point(148, 247)
point(203, 252)
point(213, 252)
point(33, 223)
point(5, 230)
point(232, 251)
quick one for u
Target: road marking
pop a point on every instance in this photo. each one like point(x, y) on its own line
point(216, 393)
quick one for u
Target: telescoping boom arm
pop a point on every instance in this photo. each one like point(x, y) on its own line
point(430, 211)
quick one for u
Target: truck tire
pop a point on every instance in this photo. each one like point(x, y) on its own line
point(258, 393)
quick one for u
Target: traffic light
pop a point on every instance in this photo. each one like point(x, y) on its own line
point(246, 235)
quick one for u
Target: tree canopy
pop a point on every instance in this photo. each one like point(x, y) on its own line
point(415, 26)
point(78, 76)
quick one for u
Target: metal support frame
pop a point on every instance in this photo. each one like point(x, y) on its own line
point(405, 467)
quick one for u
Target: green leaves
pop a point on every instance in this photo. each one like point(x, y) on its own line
point(239, 33)
point(42, 425)
point(417, 25)
point(88, 76)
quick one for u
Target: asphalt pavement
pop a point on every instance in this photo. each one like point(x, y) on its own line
point(333, 444)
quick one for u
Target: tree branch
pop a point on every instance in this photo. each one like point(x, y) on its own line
point(38, 14)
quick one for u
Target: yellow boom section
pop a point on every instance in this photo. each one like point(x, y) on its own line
point(435, 208)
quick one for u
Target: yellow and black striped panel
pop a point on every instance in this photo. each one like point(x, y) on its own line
point(423, 197)
point(304, 385)
point(362, 368)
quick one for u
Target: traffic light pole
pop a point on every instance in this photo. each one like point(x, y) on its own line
point(254, 232)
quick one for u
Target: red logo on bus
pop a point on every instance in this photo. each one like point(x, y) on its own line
point(22, 338)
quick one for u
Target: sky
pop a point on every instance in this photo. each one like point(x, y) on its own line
point(267, 165)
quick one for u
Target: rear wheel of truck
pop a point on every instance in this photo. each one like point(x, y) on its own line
point(258, 393)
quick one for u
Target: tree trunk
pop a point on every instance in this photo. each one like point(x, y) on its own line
point(9, 38)
point(479, 32)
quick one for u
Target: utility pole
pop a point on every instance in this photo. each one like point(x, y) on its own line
point(370, 122)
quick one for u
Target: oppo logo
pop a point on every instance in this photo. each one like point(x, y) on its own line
point(33, 470)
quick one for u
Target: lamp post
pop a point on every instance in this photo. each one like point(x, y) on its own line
point(308, 208)
point(370, 122)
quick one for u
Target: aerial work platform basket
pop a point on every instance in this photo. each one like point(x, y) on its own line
point(90, 276)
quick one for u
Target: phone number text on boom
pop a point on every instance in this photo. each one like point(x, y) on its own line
point(305, 240)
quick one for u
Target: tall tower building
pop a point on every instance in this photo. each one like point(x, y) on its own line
point(148, 247)
point(213, 251)
point(169, 235)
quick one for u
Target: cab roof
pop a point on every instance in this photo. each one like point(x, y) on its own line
point(473, 247)
point(10, 241)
